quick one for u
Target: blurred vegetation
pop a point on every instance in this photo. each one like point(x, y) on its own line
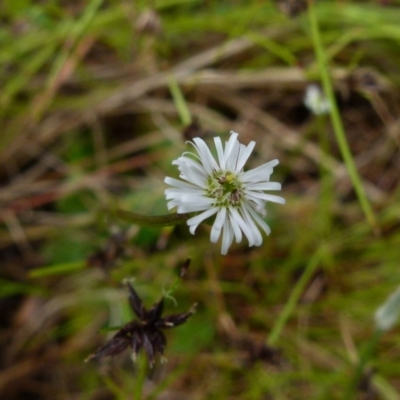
point(95, 101)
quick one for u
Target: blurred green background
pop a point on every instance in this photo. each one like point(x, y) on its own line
point(99, 97)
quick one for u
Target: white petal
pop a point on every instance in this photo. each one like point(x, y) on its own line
point(191, 207)
point(261, 173)
point(173, 203)
point(243, 226)
point(260, 203)
point(259, 220)
point(231, 153)
point(269, 197)
point(229, 145)
point(263, 186)
point(192, 155)
point(206, 157)
point(236, 229)
point(217, 226)
point(227, 237)
point(194, 222)
point(186, 162)
point(177, 193)
point(251, 224)
point(196, 198)
point(179, 184)
point(220, 152)
point(193, 176)
point(244, 156)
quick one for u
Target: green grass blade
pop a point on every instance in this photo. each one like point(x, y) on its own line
point(337, 121)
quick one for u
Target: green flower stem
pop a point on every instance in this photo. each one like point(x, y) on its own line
point(158, 221)
point(294, 297)
point(336, 120)
point(324, 218)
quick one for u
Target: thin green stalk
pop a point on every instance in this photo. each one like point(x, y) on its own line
point(324, 217)
point(180, 102)
point(58, 269)
point(336, 120)
point(294, 297)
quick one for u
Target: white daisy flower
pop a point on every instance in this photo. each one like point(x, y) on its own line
point(316, 101)
point(222, 188)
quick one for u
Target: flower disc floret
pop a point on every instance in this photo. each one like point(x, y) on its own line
point(226, 188)
point(221, 188)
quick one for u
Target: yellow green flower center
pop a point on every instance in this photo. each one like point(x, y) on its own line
point(225, 188)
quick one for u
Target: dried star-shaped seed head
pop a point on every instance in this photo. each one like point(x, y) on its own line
point(142, 333)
